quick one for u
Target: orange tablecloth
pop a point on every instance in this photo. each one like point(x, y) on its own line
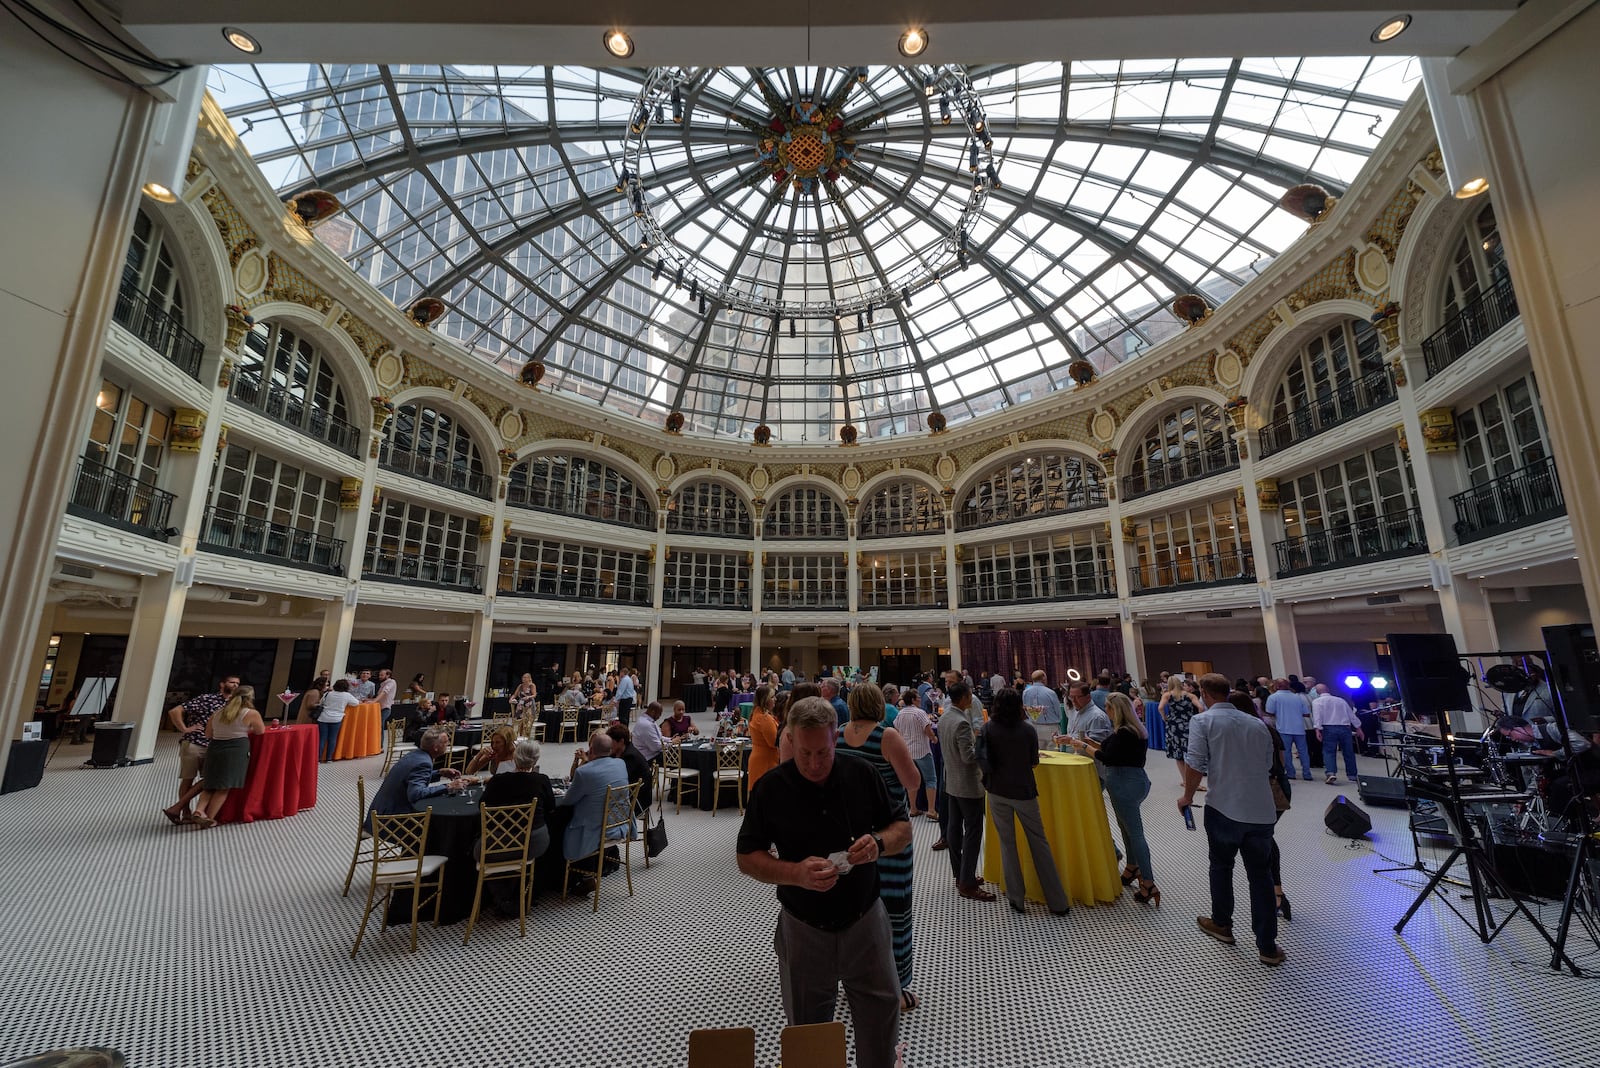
point(362, 734)
point(1075, 824)
point(282, 779)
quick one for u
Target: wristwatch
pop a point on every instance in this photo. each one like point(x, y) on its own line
point(877, 840)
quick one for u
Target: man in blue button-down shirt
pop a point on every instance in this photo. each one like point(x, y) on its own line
point(414, 778)
point(1234, 748)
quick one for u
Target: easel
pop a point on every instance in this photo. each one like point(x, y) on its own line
point(91, 702)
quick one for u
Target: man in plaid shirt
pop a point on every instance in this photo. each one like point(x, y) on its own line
point(190, 719)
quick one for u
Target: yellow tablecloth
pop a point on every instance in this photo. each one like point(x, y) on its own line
point(1076, 827)
point(362, 733)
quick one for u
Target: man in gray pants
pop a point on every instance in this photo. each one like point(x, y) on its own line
point(963, 787)
point(829, 820)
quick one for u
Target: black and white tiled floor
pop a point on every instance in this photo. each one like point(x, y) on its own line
point(230, 948)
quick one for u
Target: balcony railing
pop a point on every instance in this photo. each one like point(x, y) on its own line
point(1520, 498)
point(1380, 537)
point(158, 328)
point(1463, 331)
point(243, 535)
point(985, 514)
point(439, 472)
point(417, 569)
point(1193, 464)
point(1082, 588)
point(603, 507)
point(1217, 569)
point(106, 495)
point(921, 598)
point(281, 406)
point(701, 597)
point(1372, 390)
point(789, 600)
point(567, 588)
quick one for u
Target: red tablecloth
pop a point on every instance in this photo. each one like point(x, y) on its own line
point(362, 733)
point(282, 779)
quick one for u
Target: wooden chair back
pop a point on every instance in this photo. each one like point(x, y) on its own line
point(814, 1045)
point(722, 1047)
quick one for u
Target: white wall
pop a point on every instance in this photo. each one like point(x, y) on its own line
point(1518, 623)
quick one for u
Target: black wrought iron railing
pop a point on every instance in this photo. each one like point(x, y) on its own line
point(1360, 541)
point(1463, 331)
point(1372, 390)
point(604, 507)
point(234, 534)
point(789, 599)
point(985, 514)
point(1192, 464)
point(281, 406)
point(568, 588)
point(158, 328)
point(702, 597)
point(439, 472)
point(1530, 494)
point(420, 570)
point(1077, 588)
point(877, 600)
point(1216, 569)
point(106, 495)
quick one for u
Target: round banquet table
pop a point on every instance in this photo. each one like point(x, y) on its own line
point(362, 733)
point(282, 778)
point(696, 698)
point(701, 756)
point(1075, 825)
point(452, 829)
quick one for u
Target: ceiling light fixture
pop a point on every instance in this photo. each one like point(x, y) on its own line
point(905, 295)
point(158, 191)
point(1390, 29)
point(619, 44)
point(241, 40)
point(913, 42)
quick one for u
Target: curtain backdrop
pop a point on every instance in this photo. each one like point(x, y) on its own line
point(1021, 652)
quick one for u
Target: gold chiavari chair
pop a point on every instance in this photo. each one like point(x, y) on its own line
point(673, 771)
point(395, 744)
point(729, 768)
point(363, 850)
point(503, 854)
point(569, 721)
point(619, 806)
point(398, 861)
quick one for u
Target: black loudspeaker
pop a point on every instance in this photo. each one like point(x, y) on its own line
point(1575, 674)
point(1429, 673)
point(1377, 790)
point(1345, 819)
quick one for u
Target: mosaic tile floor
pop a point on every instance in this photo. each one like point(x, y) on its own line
point(231, 948)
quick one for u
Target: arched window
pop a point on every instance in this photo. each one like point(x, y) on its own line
point(1204, 545)
point(577, 485)
point(907, 507)
point(710, 509)
point(569, 571)
point(805, 512)
point(432, 445)
point(260, 506)
point(289, 380)
point(1477, 298)
point(1335, 376)
point(1040, 483)
point(1185, 443)
point(412, 543)
point(150, 299)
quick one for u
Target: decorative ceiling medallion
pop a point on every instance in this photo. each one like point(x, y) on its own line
point(803, 146)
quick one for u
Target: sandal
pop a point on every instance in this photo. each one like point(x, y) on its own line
point(203, 822)
point(908, 1001)
point(1148, 893)
point(174, 818)
point(1130, 872)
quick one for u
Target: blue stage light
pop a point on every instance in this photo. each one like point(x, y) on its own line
point(1352, 682)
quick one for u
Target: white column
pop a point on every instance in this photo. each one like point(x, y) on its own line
point(1467, 615)
point(480, 642)
point(1283, 640)
point(1132, 646)
point(333, 643)
point(955, 642)
point(855, 642)
point(152, 640)
point(755, 647)
point(652, 682)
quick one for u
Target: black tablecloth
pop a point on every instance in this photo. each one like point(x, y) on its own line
point(25, 766)
point(496, 706)
point(451, 831)
point(703, 758)
point(696, 697)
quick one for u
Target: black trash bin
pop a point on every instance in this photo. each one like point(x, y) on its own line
point(111, 740)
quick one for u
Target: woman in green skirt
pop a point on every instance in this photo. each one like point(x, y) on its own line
point(228, 755)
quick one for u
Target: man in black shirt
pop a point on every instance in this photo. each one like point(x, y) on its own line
point(829, 821)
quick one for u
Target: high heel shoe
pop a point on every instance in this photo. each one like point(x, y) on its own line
point(1283, 906)
point(1148, 893)
point(1130, 873)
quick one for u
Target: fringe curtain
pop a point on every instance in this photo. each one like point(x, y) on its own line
point(1021, 652)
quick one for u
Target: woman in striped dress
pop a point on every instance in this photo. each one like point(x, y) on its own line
point(866, 736)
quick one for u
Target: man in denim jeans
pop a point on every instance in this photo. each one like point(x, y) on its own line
point(1234, 749)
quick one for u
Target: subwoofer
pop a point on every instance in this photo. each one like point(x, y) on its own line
point(1575, 674)
point(1429, 673)
point(1345, 819)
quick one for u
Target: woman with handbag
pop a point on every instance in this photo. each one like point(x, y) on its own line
point(1121, 759)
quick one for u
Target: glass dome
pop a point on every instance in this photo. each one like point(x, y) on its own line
point(805, 248)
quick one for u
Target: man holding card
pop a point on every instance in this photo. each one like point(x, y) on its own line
point(828, 821)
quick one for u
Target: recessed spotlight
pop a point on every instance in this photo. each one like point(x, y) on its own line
point(1390, 29)
point(913, 42)
point(157, 191)
point(241, 40)
point(1471, 188)
point(619, 44)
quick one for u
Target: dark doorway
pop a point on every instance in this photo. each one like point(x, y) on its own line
point(200, 663)
point(509, 661)
point(302, 664)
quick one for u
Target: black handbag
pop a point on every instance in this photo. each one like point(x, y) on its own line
point(655, 838)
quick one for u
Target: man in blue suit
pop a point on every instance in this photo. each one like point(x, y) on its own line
point(414, 778)
point(587, 797)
